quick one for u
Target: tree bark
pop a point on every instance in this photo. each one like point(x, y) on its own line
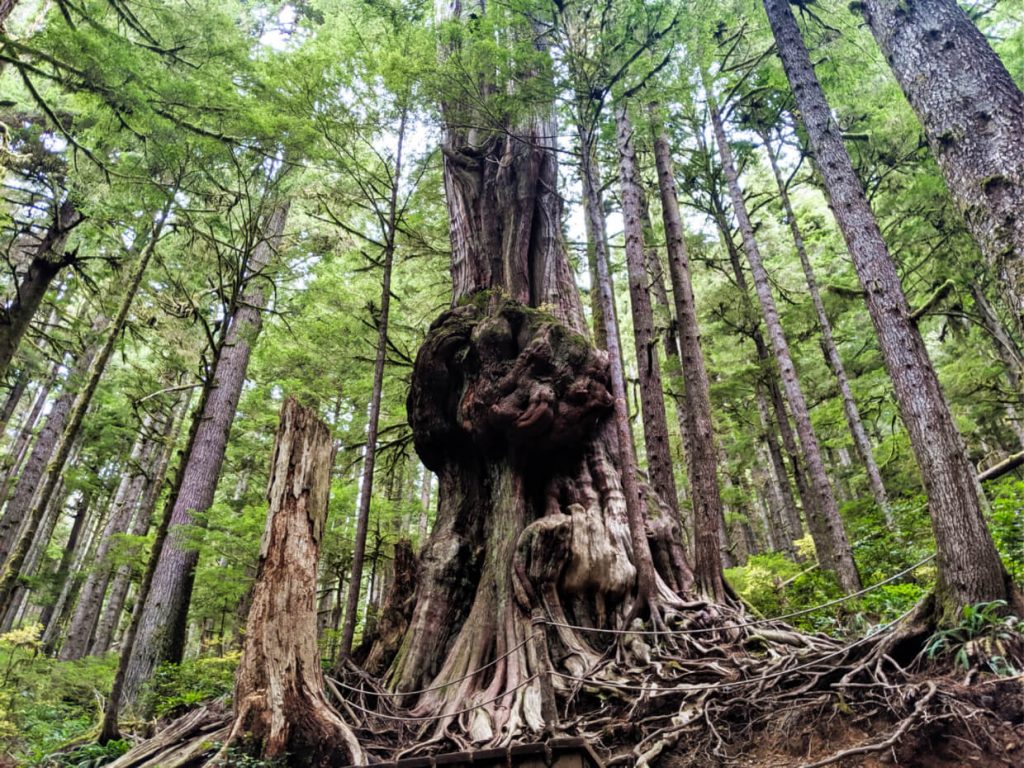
point(701, 451)
point(973, 115)
point(20, 504)
point(62, 575)
point(161, 631)
point(13, 398)
point(652, 398)
point(118, 592)
point(20, 448)
point(969, 567)
point(828, 344)
point(280, 708)
point(789, 528)
point(390, 231)
point(839, 556)
point(90, 598)
point(47, 261)
point(55, 467)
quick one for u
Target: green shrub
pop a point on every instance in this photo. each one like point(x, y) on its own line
point(177, 688)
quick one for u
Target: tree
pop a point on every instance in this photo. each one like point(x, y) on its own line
point(834, 549)
point(828, 344)
point(280, 707)
point(702, 451)
point(969, 567)
point(972, 112)
point(161, 632)
point(652, 399)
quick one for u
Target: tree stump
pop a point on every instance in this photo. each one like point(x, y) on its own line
point(281, 710)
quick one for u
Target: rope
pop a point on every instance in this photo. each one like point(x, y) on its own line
point(756, 623)
point(737, 683)
point(456, 713)
point(467, 676)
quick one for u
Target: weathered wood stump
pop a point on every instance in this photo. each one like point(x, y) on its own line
point(280, 706)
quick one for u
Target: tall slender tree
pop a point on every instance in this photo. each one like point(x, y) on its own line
point(161, 630)
point(969, 567)
point(838, 554)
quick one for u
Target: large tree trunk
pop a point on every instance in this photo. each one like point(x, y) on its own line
point(973, 115)
point(828, 345)
point(837, 556)
point(652, 397)
point(46, 262)
point(969, 567)
point(90, 599)
point(390, 230)
point(280, 706)
point(161, 631)
point(701, 452)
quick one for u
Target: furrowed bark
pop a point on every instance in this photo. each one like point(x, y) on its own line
point(21, 444)
point(161, 631)
point(47, 261)
point(840, 554)
point(828, 344)
point(652, 398)
point(280, 708)
point(90, 599)
point(973, 115)
point(702, 452)
point(118, 592)
point(969, 567)
point(21, 503)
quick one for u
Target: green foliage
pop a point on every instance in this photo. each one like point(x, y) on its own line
point(89, 755)
point(176, 688)
point(46, 704)
point(985, 637)
point(1008, 525)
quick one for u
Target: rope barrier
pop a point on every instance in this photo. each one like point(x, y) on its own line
point(456, 713)
point(756, 623)
point(467, 676)
point(737, 683)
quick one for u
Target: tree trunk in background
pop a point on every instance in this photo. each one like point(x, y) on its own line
point(828, 343)
point(597, 236)
point(695, 407)
point(652, 398)
point(46, 263)
point(53, 633)
point(789, 529)
point(973, 115)
point(969, 567)
point(769, 375)
point(62, 575)
point(28, 425)
point(13, 398)
point(280, 707)
point(373, 418)
point(1006, 348)
point(161, 630)
point(118, 592)
point(18, 601)
point(21, 503)
point(55, 468)
point(666, 326)
point(838, 555)
point(90, 599)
